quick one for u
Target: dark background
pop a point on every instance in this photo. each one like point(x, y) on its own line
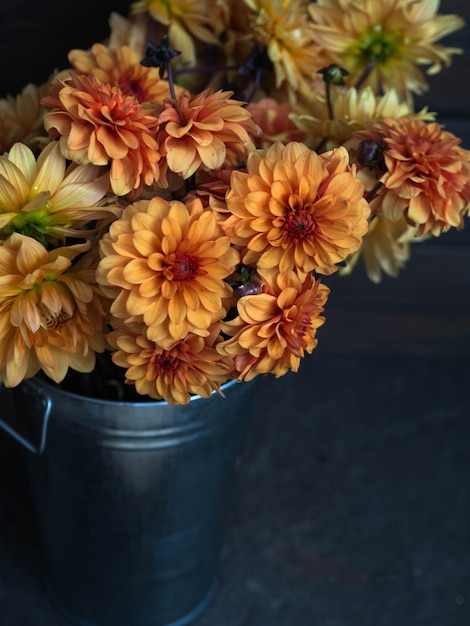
point(352, 504)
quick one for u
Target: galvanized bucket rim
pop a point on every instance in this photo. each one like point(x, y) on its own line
point(57, 389)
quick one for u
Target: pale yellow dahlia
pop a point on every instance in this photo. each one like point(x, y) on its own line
point(165, 264)
point(426, 174)
point(21, 117)
point(389, 38)
point(191, 366)
point(352, 111)
point(203, 130)
point(132, 32)
point(284, 28)
point(296, 209)
point(186, 20)
point(46, 199)
point(121, 67)
point(236, 40)
point(385, 249)
point(97, 123)
point(274, 329)
point(51, 312)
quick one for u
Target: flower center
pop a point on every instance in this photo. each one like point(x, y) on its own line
point(185, 267)
point(377, 46)
point(132, 87)
point(55, 321)
point(298, 225)
point(33, 224)
point(163, 362)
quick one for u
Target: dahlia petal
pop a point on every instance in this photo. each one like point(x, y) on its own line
point(112, 143)
point(10, 195)
point(418, 210)
point(26, 168)
point(181, 157)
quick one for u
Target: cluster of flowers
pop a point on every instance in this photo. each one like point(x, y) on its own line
point(176, 214)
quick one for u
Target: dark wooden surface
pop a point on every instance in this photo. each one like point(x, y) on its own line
point(352, 504)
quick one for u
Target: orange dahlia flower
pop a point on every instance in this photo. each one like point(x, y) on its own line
point(99, 124)
point(199, 131)
point(191, 366)
point(121, 67)
point(51, 313)
point(47, 200)
point(427, 174)
point(274, 329)
point(165, 264)
point(296, 209)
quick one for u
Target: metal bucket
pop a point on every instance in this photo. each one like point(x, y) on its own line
point(131, 500)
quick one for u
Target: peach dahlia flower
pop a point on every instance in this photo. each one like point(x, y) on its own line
point(121, 68)
point(21, 117)
point(45, 198)
point(51, 313)
point(274, 329)
point(296, 209)
point(200, 131)
point(274, 122)
point(165, 264)
point(191, 366)
point(427, 174)
point(97, 123)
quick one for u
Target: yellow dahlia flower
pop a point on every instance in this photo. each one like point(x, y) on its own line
point(284, 28)
point(132, 32)
point(165, 264)
point(47, 200)
point(296, 209)
point(191, 366)
point(352, 110)
point(203, 130)
point(275, 328)
point(186, 20)
point(388, 38)
point(51, 314)
point(99, 124)
point(385, 249)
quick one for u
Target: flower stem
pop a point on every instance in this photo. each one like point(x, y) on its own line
point(365, 74)
point(370, 195)
point(171, 82)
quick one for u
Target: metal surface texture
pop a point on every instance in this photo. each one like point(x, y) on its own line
point(131, 500)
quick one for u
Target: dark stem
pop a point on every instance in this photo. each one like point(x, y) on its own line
point(365, 74)
point(205, 69)
point(171, 81)
point(328, 101)
point(370, 195)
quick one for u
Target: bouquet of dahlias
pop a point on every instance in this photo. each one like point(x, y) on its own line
point(169, 202)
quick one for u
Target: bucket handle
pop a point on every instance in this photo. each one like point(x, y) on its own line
point(46, 411)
